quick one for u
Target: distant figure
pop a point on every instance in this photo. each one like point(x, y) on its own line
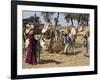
point(86, 45)
point(73, 34)
point(89, 45)
point(71, 41)
point(66, 42)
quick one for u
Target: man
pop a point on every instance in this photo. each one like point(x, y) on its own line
point(66, 42)
point(86, 44)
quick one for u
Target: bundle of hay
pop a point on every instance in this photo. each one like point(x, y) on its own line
point(57, 46)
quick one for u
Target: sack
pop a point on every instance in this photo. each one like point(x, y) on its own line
point(57, 46)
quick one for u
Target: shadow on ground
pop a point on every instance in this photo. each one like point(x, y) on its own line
point(49, 61)
point(74, 53)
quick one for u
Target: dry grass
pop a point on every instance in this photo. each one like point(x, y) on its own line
point(61, 60)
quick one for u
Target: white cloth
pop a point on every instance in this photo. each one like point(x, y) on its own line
point(66, 46)
point(70, 35)
point(45, 28)
point(28, 28)
point(26, 43)
point(80, 29)
point(56, 36)
point(37, 37)
point(73, 31)
point(44, 43)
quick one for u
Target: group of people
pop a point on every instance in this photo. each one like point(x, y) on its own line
point(31, 43)
point(69, 40)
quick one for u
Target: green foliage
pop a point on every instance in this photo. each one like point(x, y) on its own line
point(81, 18)
point(78, 45)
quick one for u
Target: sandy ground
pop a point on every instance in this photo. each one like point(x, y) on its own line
point(60, 60)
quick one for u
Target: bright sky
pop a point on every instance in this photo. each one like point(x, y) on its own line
point(62, 21)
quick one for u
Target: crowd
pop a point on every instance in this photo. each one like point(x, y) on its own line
point(31, 43)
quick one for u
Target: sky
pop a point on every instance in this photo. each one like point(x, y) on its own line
point(62, 21)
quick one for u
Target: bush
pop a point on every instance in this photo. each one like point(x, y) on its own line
point(78, 45)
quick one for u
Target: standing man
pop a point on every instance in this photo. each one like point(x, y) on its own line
point(66, 42)
point(86, 44)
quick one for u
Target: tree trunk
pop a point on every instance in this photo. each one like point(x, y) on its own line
point(87, 22)
point(72, 21)
point(56, 20)
point(78, 21)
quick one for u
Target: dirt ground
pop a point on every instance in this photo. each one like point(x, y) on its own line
point(60, 60)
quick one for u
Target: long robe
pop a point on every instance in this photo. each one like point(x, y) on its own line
point(31, 53)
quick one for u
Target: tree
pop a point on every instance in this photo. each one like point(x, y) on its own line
point(56, 19)
point(69, 17)
point(47, 16)
point(84, 19)
point(36, 18)
point(81, 18)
